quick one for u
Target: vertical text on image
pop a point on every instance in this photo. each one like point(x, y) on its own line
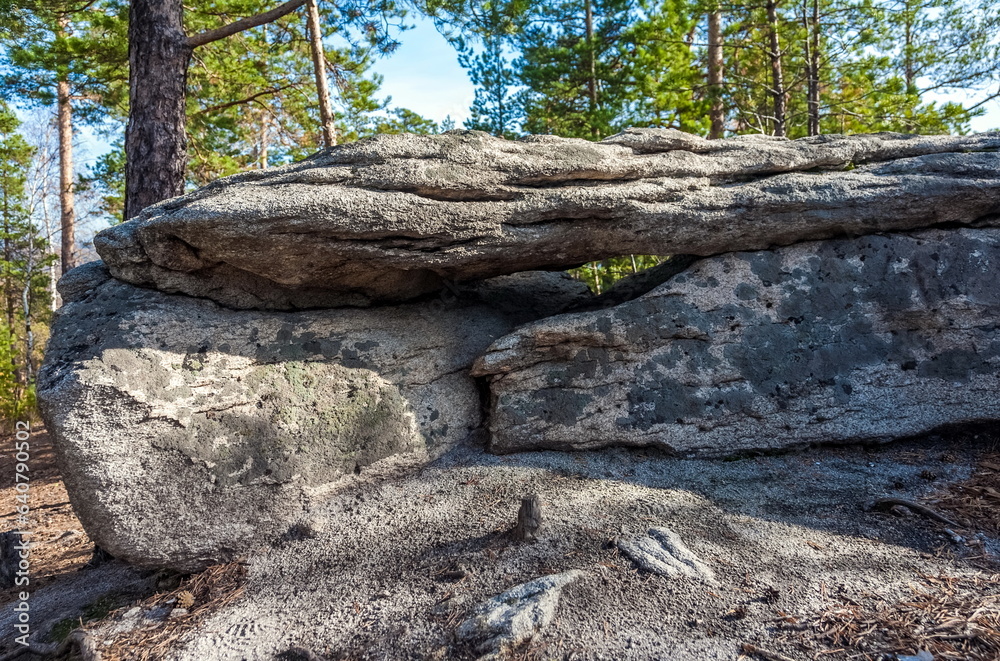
point(22, 487)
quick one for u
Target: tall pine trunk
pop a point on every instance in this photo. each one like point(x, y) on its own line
point(319, 68)
point(908, 73)
point(592, 74)
point(159, 53)
point(813, 59)
point(155, 138)
point(67, 201)
point(716, 113)
point(777, 76)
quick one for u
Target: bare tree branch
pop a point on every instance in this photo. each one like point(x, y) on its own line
point(209, 36)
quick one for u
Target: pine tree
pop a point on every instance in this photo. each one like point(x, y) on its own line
point(571, 65)
point(161, 56)
point(252, 101)
point(68, 54)
point(664, 70)
point(852, 66)
point(496, 107)
point(247, 111)
point(23, 281)
point(483, 33)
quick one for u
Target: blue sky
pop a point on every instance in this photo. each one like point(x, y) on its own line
point(423, 75)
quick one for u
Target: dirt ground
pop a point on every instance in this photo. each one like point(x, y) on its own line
point(389, 567)
point(63, 546)
point(65, 589)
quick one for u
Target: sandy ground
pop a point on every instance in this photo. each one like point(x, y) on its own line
point(63, 546)
point(391, 565)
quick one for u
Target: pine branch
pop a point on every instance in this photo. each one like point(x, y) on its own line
point(209, 36)
point(238, 102)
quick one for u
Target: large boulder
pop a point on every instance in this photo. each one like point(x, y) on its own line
point(397, 216)
point(865, 339)
point(189, 433)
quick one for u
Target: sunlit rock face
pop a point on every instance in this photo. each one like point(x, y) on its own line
point(189, 432)
point(246, 350)
point(874, 338)
point(396, 217)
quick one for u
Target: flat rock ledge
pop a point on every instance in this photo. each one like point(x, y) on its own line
point(396, 217)
point(189, 433)
point(867, 339)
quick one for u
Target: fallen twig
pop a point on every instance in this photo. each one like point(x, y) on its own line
point(763, 653)
point(886, 503)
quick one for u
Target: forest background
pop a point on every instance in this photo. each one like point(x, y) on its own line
point(259, 83)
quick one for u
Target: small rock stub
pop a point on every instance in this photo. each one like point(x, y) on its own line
point(839, 341)
point(189, 433)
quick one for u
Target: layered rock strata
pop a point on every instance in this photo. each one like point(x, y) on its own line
point(395, 217)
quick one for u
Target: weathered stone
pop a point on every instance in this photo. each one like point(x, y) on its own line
point(398, 216)
point(514, 616)
point(661, 551)
point(865, 339)
point(188, 432)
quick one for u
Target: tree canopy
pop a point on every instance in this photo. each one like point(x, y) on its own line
point(589, 68)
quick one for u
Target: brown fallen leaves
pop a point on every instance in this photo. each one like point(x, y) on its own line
point(203, 593)
point(954, 618)
point(976, 501)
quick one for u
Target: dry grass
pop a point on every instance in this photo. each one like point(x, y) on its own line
point(956, 619)
point(975, 503)
point(207, 592)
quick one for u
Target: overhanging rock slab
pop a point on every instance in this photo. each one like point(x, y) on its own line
point(394, 217)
